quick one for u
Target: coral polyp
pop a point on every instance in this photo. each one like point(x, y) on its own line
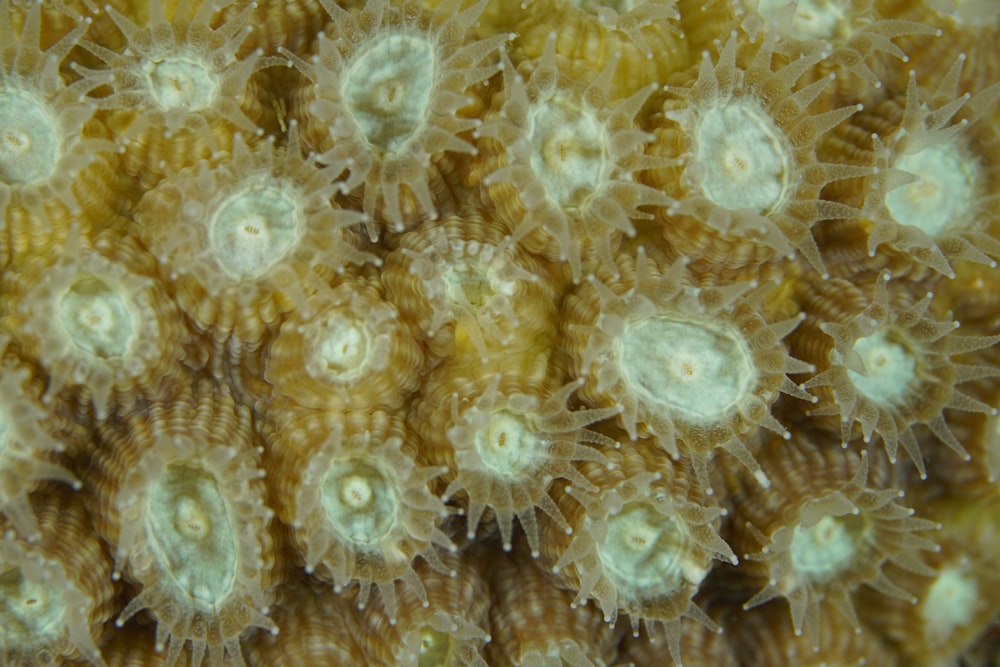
point(55, 591)
point(442, 333)
point(358, 502)
point(185, 516)
point(385, 103)
point(53, 167)
point(641, 545)
point(241, 238)
point(928, 196)
point(504, 443)
point(560, 159)
point(179, 87)
point(817, 539)
point(28, 445)
point(695, 366)
point(319, 360)
point(95, 320)
point(742, 145)
point(889, 367)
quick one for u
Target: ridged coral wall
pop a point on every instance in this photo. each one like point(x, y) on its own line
point(499, 333)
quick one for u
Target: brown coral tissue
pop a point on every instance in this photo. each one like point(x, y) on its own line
point(499, 332)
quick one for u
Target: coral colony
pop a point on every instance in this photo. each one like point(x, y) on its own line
point(541, 333)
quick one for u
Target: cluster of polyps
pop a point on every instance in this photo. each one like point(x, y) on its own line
point(681, 360)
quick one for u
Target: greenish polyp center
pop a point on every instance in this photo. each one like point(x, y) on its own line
point(468, 284)
point(387, 89)
point(950, 603)
point(942, 194)
point(180, 83)
point(192, 532)
point(252, 230)
point(744, 158)
point(435, 648)
point(342, 348)
point(360, 501)
point(697, 371)
point(826, 548)
point(29, 141)
point(29, 610)
point(890, 364)
point(97, 318)
point(645, 551)
point(570, 150)
point(507, 446)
